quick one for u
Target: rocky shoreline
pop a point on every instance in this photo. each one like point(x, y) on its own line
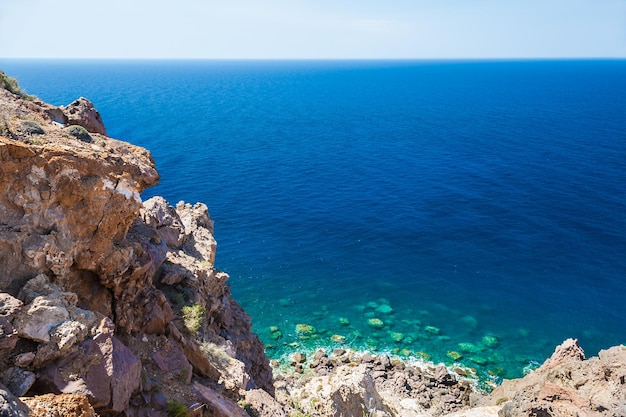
point(111, 306)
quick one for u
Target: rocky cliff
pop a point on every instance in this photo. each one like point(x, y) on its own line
point(103, 295)
point(110, 305)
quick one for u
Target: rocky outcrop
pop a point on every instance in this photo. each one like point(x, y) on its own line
point(81, 112)
point(103, 296)
point(567, 384)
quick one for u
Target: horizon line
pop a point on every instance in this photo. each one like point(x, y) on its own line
point(539, 58)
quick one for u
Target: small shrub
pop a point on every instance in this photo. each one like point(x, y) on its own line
point(502, 400)
point(216, 354)
point(79, 133)
point(10, 84)
point(31, 127)
point(176, 409)
point(193, 317)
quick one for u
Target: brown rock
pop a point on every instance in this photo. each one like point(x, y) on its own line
point(299, 357)
point(103, 370)
point(170, 358)
point(261, 404)
point(81, 112)
point(63, 405)
point(216, 404)
point(9, 306)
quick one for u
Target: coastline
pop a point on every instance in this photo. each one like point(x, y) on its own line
point(114, 304)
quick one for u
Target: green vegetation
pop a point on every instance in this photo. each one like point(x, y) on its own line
point(10, 84)
point(502, 400)
point(176, 409)
point(216, 354)
point(32, 127)
point(79, 133)
point(194, 317)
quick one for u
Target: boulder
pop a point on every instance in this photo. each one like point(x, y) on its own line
point(62, 405)
point(102, 369)
point(170, 357)
point(81, 112)
point(10, 405)
point(260, 404)
point(216, 404)
point(349, 391)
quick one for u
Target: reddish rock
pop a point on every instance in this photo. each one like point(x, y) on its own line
point(103, 370)
point(170, 357)
point(81, 112)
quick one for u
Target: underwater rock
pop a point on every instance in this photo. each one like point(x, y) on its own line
point(469, 321)
point(432, 330)
point(478, 360)
point(397, 337)
point(375, 323)
point(344, 321)
point(337, 338)
point(304, 329)
point(384, 309)
point(469, 347)
point(490, 340)
point(455, 356)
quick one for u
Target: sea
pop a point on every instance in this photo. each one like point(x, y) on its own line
point(471, 213)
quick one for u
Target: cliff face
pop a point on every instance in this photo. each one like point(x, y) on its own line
point(101, 294)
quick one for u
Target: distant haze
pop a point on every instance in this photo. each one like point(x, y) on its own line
point(294, 29)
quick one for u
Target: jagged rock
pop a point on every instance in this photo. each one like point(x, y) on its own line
point(103, 369)
point(66, 206)
point(216, 404)
point(194, 355)
point(10, 405)
point(63, 405)
point(201, 243)
point(567, 384)
point(51, 318)
point(260, 404)
point(81, 112)
point(170, 357)
point(18, 380)
point(349, 391)
point(157, 213)
point(40, 317)
point(9, 306)
point(8, 337)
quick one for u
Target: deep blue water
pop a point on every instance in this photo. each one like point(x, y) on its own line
point(478, 198)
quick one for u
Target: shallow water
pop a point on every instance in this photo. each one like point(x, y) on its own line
point(475, 208)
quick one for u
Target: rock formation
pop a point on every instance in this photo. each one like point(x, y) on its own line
point(104, 296)
point(567, 385)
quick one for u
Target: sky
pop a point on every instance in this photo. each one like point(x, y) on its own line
point(308, 29)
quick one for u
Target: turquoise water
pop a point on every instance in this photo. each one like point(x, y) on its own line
point(477, 209)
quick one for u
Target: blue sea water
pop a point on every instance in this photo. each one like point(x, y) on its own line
point(473, 207)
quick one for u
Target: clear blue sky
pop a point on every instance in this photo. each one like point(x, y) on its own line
point(312, 29)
